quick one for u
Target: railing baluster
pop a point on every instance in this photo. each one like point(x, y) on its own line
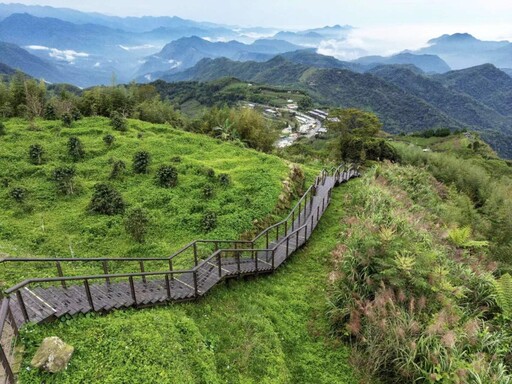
point(273, 259)
point(88, 294)
point(287, 245)
point(238, 266)
point(21, 303)
point(266, 235)
point(105, 271)
point(293, 220)
point(7, 367)
point(196, 289)
point(132, 291)
point(171, 269)
point(277, 233)
point(195, 253)
point(318, 214)
point(219, 262)
point(168, 286)
point(256, 261)
point(59, 271)
point(141, 263)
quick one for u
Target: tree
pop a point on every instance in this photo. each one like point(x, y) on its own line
point(50, 112)
point(109, 140)
point(76, 148)
point(167, 176)
point(141, 162)
point(36, 153)
point(118, 122)
point(67, 120)
point(209, 221)
point(106, 200)
point(18, 194)
point(64, 179)
point(2, 129)
point(136, 224)
point(118, 168)
point(355, 122)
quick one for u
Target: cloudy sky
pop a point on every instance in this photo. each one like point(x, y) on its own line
point(382, 25)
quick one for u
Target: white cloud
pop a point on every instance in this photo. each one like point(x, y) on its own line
point(68, 55)
point(97, 65)
point(137, 47)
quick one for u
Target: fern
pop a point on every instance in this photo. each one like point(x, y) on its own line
point(503, 291)
point(461, 237)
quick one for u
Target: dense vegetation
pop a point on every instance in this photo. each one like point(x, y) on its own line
point(267, 330)
point(421, 273)
point(55, 204)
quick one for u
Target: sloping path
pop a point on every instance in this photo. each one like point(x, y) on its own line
point(42, 300)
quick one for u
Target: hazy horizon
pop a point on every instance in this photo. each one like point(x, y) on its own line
point(381, 27)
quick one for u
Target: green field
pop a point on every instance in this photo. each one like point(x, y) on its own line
point(267, 330)
point(50, 224)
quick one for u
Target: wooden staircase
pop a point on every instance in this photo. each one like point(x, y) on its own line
point(40, 300)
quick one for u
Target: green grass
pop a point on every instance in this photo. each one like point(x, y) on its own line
point(266, 330)
point(51, 225)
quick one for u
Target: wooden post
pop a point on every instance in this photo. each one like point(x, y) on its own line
point(105, 271)
point(21, 303)
point(88, 294)
point(266, 235)
point(293, 219)
point(273, 259)
point(311, 230)
point(256, 261)
point(59, 271)
point(7, 367)
point(318, 214)
point(170, 269)
point(142, 271)
point(195, 252)
point(297, 239)
point(196, 290)
point(219, 262)
point(168, 287)
point(132, 291)
point(238, 264)
point(287, 245)
point(286, 227)
point(277, 233)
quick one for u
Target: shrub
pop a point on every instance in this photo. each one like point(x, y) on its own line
point(35, 154)
point(176, 159)
point(118, 122)
point(209, 221)
point(76, 114)
point(141, 162)
point(64, 179)
point(136, 224)
point(106, 200)
point(18, 194)
point(76, 148)
point(167, 176)
point(208, 191)
point(224, 179)
point(67, 120)
point(118, 168)
point(50, 113)
point(109, 140)
point(2, 129)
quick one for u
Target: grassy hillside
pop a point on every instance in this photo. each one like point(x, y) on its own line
point(266, 330)
point(49, 223)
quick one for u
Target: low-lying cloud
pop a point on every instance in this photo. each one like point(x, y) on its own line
point(68, 55)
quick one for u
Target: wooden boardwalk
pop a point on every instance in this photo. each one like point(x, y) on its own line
point(209, 262)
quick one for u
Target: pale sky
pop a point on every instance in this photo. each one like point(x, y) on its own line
point(383, 25)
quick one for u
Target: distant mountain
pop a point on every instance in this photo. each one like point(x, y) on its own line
point(484, 83)
point(508, 71)
point(27, 30)
point(456, 104)
point(6, 70)
point(427, 63)
point(18, 58)
point(462, 50)
point(311, 58)
point(398, 110)
point(313, 37)
point(188, 51)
